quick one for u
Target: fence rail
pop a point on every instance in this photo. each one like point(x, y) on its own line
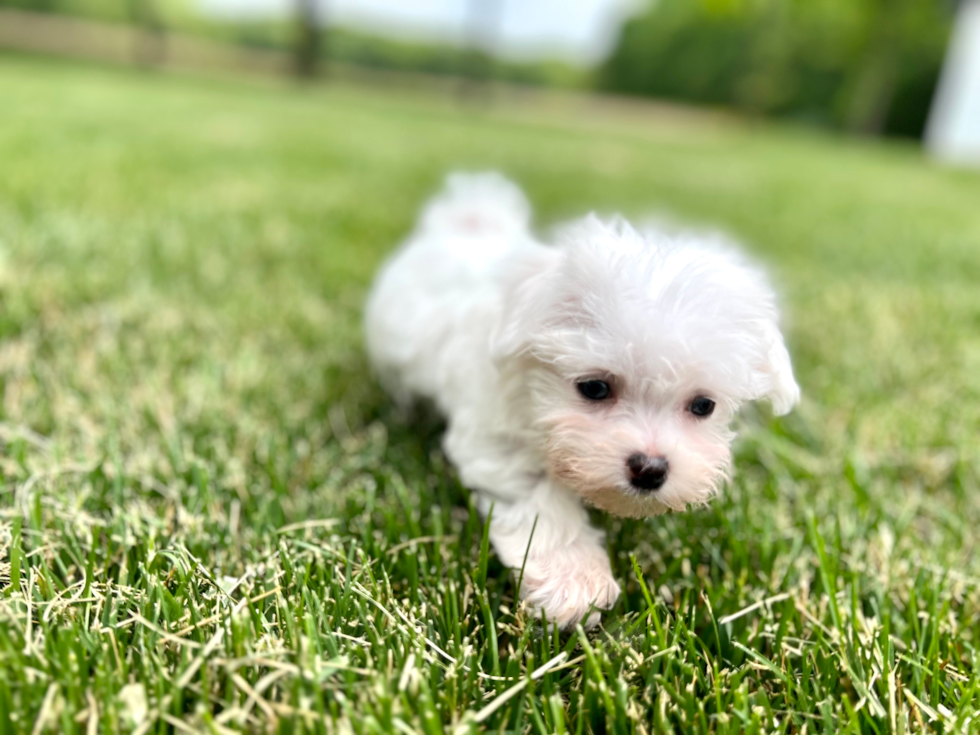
point(126, 44)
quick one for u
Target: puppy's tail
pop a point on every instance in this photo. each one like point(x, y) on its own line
point(477, 205)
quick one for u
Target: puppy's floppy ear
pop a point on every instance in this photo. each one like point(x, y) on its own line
point(529, 293)
point(772, 366)
point(783, 391)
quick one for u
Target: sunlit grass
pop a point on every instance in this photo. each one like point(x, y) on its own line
point(210, 517)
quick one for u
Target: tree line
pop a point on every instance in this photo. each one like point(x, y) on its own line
point(867, 66)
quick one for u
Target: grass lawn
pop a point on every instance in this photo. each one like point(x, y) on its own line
point(211, 520)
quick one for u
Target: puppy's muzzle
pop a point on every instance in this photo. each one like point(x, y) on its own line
point(647, 473)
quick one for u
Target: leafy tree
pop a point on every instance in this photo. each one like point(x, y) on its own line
point(866, 65)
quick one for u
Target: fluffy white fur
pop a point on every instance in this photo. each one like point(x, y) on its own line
point(498, 329)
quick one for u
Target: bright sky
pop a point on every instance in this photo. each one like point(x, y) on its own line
point(578, 30)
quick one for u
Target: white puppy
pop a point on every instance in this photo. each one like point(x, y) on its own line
point(605, 369)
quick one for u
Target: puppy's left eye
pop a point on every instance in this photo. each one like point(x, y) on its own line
point(594, 390)
point(702, 406)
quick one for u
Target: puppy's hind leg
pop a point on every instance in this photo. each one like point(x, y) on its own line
point(566, 574)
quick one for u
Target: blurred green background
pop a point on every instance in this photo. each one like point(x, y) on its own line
point(864, 66)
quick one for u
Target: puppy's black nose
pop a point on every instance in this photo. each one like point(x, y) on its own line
point(647, 473)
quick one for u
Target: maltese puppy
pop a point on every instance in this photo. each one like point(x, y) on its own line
point(603, 370)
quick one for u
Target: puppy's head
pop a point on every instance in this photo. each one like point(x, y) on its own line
point(636, 350)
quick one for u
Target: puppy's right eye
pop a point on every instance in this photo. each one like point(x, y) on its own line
point(594, 390)
point(702, 407)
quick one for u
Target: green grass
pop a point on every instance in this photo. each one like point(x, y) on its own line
point(211, 520)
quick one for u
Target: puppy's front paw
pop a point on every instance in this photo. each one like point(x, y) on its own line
point(567, 584)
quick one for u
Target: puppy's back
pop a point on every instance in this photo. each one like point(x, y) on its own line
point(432, 307)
